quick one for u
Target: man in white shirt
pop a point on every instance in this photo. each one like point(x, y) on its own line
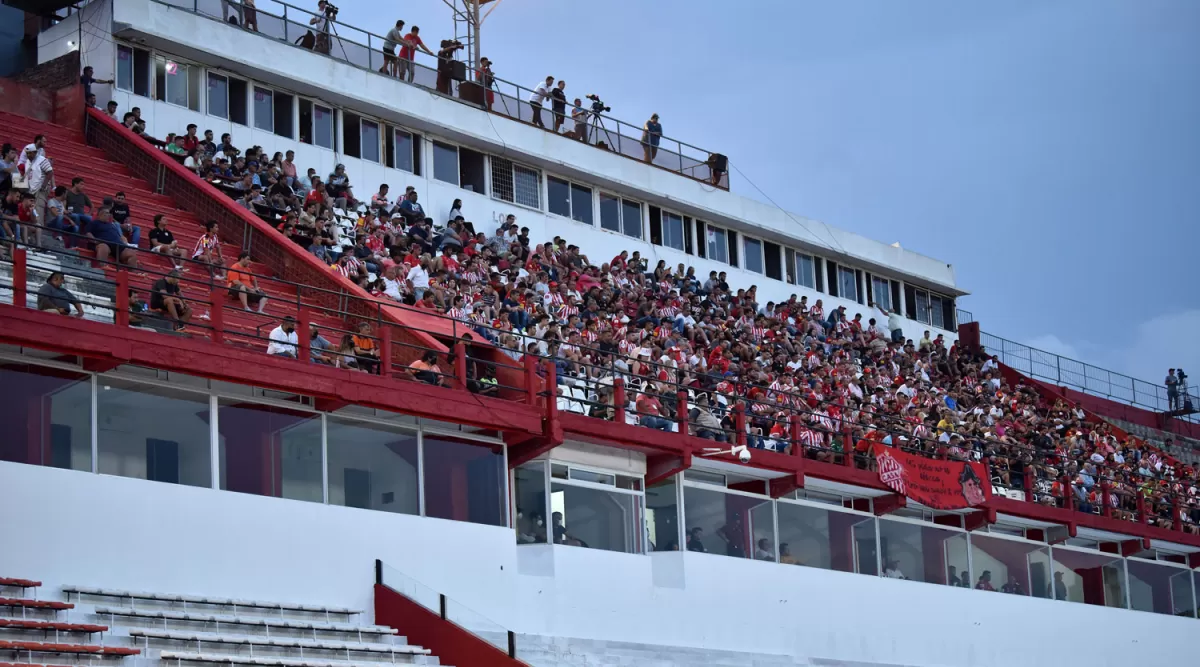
point(39, 176)
point(283, 339)
point(537, 97)
point(418, 278)
point(895, 323)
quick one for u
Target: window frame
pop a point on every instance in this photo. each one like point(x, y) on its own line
point(666, 238)
point(379, 151)
point(414, 143)
point(269, 95)
point(497, 192)
point(437, 143)
point(760, 254)
point(711, 232)
point(843, 270)
point(812, 266)
point(572, 187)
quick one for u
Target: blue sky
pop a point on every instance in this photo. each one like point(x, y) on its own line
point(1049, 149)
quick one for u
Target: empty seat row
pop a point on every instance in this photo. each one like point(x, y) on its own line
point(14, 582)
point(200, 599)
point(323, 645)
point(34, 604)
point(49, 647)
point(20, 624)
point(264, 662)
point(194, 617)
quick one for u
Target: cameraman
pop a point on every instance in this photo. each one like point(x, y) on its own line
point(325, 13)
point(393, 38)
point(651, 134)
point(445, 65)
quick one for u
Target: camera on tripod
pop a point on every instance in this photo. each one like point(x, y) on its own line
point(331, 10)
point(598, 104)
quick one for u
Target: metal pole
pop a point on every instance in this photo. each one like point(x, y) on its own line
point(476, 43)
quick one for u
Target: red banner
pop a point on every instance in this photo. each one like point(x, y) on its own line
point(942, 485)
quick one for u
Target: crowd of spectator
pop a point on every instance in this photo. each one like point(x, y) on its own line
point(810, 380)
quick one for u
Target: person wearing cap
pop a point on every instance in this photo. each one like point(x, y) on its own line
point(39, 176)
point(283, 341)
point(166, 299)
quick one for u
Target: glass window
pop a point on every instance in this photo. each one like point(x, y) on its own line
point(919, 552)
point(595, 518)
point(847, 284)
point(464, 480)
point(218, 96)
point(1090, 578)
point(372, 466)
point(47, 416)
point(177, 83)
point(936, 312)
point(581, 204)
point(610, 213)
point(151, 432)
point(370, 141)
point(631, 218)
point(1160, 588)
point(672, 229)
point(923, 306)
point(718, 247)
point(124, 68)
point(754, 256)
point(445, 162)
point(881, 290)
point(806, 270)
point(269, 450)
point(558, 196)
point(662, 516)
point(264, 109)
point(322, 126)
point(404, 151)
point(828, 539)
point(728, 524)
point(1010, 566)
point(529, 493)
point(516, 183)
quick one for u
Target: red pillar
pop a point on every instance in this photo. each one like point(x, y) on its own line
point(460, 365)
point(619, 400)
point(216, 314)
point(20, 276)
point(531, 379)
point(794, 433)
point(681, 415)
point(1176, 524)
point(552, 399)
point(1106, 510)
point(1027, 482)
point(304, 334)
point(1141, 507)
point(1068, 493)
point(739, 423)
point(121, 316)
point(847, 446)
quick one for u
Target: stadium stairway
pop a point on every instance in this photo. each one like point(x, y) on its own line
point(104, 178)
point(184, 630)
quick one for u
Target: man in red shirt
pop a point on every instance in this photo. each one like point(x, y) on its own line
point(408, 52)
point(191, 141)
point(650, 411)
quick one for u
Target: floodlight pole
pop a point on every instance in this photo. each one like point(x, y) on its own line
point(467, 15)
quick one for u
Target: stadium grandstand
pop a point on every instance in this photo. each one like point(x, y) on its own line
point(295, 375)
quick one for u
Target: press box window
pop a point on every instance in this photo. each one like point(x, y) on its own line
point(847, 284)
point(264, 109)
point(369, 136)
point(176, 83)
point(470, 171)
point(445, 162)
point(754, 256)
point(133, 70)
point(620, 215)
point(227, 98)
point(516, 183)
point(569, 200)
point(316, 124)
point(801, 269)
point(718, 247)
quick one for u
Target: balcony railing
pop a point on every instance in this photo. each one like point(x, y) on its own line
point(290, 24)
point(1087, 378)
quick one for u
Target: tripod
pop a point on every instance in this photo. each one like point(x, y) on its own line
point(333, 30)
point(596, 125)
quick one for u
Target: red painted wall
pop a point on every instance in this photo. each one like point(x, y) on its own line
point(450, 643)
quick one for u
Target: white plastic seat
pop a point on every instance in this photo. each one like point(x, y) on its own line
point(198, 599)
point(321, 644)
point(247, 660)
point(239, 620)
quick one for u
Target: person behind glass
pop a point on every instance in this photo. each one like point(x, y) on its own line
point(283, 339)
point(487, 80)
point(558, 104)
point(651, 134)
point(695, 540)
point(537, 98)
point(1013, 586)
point(985, 582)
point(445, 64)
point(390, 42)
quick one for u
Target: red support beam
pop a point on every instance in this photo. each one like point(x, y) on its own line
point(662, 466)
point(1141, 508)
point(619, 400)
point(976, 520)
point(460, 367)
point(385, 351)
point(739, 424)
point(1106, 508)
point(889, 503)
point(216, 314)
point(781, 486)
point(531, 379)
point(304, 334)
point(121, 316)
point(1027, 483)
point(20, 276)
point(1068, 493)
point(681, 413)
point(794, 434)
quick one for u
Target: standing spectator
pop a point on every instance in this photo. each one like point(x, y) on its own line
point(487, 80)
point(53, 296)
point(249, 16)
point(651, 134)
point(8, 166)
point(244, 284)
point(445, 65)
point(390, 42)
point(87, 80)
point(408, 53)
point(283, 340)
point(167, 299)
point(579, 114)
point(895, 323)
point(558, 104)
point(1172, 383)
point(537, 98)
point(110, 110)
point(39, 175)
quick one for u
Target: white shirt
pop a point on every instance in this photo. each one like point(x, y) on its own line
point(37, 172)
point(894, 321)
point(392, 289)
point(539, 94)
point(283, 342)
point(418, 276)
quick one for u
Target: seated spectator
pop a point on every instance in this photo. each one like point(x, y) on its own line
point(320, 348)
point(166, 299)
point(366, 350)
point(120, 213)
point(162, 241)
point(53, 296)
point(411, 210)
point(426, 370)
point(380, 204)
point(985, 582)
point(283, 341)
point(174, 145)
point(57, 219)
point(338, 188)
point(208, 250)
point(650, 411)
point(110, 240)
point(244, 284)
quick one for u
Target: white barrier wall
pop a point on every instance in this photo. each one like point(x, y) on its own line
point(79, 528)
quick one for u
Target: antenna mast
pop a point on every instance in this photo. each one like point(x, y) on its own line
point(468, 24)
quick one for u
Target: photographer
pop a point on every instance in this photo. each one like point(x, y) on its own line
point(326, 12)
point(651, 134)
point(408, 53)
point(390, 42)
point(445, 66)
